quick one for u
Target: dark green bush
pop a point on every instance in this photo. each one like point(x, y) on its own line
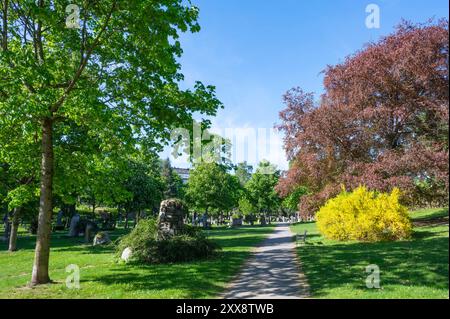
point(141, 239)
point(191, 245)
point(183, 248)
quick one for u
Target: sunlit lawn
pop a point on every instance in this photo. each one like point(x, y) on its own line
point(417, 268)
point(102, 277)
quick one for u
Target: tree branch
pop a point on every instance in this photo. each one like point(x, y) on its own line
point(84, 62)
point(5, 26)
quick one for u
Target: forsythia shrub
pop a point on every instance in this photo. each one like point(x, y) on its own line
point(364, 215)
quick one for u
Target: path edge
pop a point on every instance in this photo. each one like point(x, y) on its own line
point(251, 254)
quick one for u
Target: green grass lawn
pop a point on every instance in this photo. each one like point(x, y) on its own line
point(417, 268)
point(102, 277)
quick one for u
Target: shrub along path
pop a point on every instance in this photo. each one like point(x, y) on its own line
point(272, 272)
point(415, 268)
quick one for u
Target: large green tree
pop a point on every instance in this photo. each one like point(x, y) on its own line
point(211, 189)
point(173, 184)
point(260, 189)
point(18, 173)
point(291, 201)
point(144, 184)
point(243, 172)
point(116, 75)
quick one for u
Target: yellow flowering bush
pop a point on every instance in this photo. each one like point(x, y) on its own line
point(365, 216)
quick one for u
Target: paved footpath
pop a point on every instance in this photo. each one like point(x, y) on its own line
point(272, 272)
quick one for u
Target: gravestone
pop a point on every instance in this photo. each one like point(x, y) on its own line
point(204, 221)
point(236, 222)
point(89, 231)
point(7, 231)
point(107, 221)
point(73, 230)
point(170, 220)
point(101, 238)
point(195, 219)
point(34, 224)
point(263, 220)
point(59, 223)
point(59, 218)
point(6, 222)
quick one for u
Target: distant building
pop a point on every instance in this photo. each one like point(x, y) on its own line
point(184, 173)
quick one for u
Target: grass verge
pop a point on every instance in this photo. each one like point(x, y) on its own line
point(417, 268)
point(102, 277)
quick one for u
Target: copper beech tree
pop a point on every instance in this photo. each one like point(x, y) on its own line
point(382, 122)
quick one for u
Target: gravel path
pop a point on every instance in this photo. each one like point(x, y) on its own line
point(272, 272)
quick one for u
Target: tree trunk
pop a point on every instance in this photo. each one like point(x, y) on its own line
point(42, 252)
point(126, 220)
point(14, 229)
point(4, 37)
point(137, 217)
point(94, 206)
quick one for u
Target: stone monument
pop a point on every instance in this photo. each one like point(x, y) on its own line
point(170, 220)
point(236, 222)
point(73, 230)
point(101, 238)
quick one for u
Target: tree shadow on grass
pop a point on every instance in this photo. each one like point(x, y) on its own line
point(419, 262)
point(253, 230)
point(238, 241)
point(61, 242)
point(199, 279)
point(436, 214)
point(309, 237)
point(88, 249)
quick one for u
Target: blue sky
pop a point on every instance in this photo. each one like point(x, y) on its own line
point(254, 51)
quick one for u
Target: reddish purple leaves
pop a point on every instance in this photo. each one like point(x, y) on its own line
point(382, 121)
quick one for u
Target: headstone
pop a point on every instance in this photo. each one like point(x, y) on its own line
point(204, 221)
point(6, 222)
point(126, 254)
point(263, 221)
point(34, 224)
point(73, 230)
point(59, 223)
point(170, 220)
point(195, 219)
point(89, 232)
point(236, 222)
point(7, 231)
point(101, 238)
point(59, 218)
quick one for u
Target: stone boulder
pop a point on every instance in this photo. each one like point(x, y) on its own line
point(101, 238)
point(126, 254)
point(171, 218)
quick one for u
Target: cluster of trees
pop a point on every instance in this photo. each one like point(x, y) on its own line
point(139, 183)
point(84, 110)
point(213, 190)
point(382, 122)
